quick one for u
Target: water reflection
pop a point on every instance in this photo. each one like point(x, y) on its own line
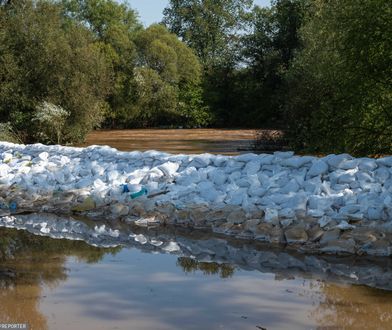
point(190, 265)
point(204, 246)
point(27, 263)
point(209, 283)
point(353, 307)
point(20, 304)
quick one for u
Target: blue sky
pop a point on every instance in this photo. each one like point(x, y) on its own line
point(150, 11)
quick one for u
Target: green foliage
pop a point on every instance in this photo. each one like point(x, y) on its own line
point(167, 81)
point(170, 58)
point(109, 20)
point(245, 54)
point(268, 51)
point(213, 30)
point(152, 69)
point(156, 100)
point(45, 59)
point(114, 26)
point(93, 59)
point(192, 110)
point(321, 69)
point(340, 84)
point(210, 27)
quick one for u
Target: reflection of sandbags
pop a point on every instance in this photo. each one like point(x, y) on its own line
point(202, 246)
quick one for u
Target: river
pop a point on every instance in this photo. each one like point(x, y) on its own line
point(188, 141)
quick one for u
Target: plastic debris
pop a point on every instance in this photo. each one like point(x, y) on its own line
point(13, 206)
point(140, 193)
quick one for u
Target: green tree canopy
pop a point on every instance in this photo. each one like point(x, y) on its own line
point(268, 49)
point(210, 27)
point(114, 26)
point(44, 58)
point(173, 60)
point(340, 84)
point(167, 79)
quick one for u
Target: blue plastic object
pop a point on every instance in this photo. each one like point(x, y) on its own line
point(134, 195)
point(125, 188)
point(13, 206)
point(140, 193)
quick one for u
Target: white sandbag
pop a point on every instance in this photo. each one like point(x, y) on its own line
point(296, 161)
point(316, 202)
point(43, 156)
point(318, 167)
point(386, 161)
point(252, 167)
point(271, 215)
point(335, 160)
point(169, 168)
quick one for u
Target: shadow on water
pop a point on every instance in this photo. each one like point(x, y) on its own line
point(212, 279)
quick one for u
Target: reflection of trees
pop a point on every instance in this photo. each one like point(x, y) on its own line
point(27, 262)
point(189, 265)
point(353, 307)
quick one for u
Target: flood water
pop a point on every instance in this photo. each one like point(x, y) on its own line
point(62, 284)
point(188, 141)
point(210, 283)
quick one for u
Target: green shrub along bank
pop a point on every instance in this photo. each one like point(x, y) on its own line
point(46, 58)
point(319, 70)
point(340, 85)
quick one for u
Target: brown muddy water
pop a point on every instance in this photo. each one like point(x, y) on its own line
point(62, 284)
point(189, 141)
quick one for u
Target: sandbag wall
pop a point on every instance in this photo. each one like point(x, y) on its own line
point(279, 198)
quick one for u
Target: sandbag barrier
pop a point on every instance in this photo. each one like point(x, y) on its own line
point(336, 204)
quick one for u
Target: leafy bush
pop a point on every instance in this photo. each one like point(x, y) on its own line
point(51, 120)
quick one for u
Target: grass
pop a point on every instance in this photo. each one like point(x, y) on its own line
point(8, 134)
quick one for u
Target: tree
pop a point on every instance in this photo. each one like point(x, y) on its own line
point(210, 27)
point(114, 26)
point(268, 51)
point(340, 84)
point(155, 100)
point(167, 80)
point(44, 58)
